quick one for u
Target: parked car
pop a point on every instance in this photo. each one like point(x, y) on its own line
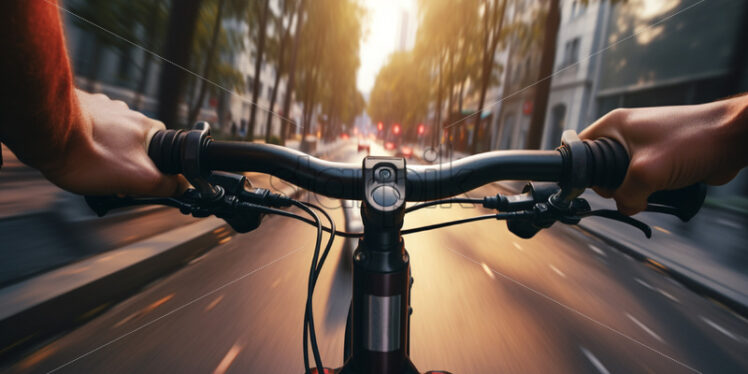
point(405, 151)
point(364, 144)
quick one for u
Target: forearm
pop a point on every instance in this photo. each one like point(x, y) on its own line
point(37, 120)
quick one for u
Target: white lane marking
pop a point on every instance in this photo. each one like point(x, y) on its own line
point(658, 290)
point(595, 362)
point(597, 250)
point(728, 223)
point(559, 272)
point(228, 359)
point(487, 270)
point(644, 327)
point(721, 329)
point(668, 295)
point(174, 311)
point(575, 311)
point(516, 245)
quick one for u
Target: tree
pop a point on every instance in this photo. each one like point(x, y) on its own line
point(177, 50)
point(397, 95)
point(258, 20)
point(491, 32)
point(328, 52)
point(208, 62)
point(543, 88)
point(283, 23)
point(291, 85)
point(153, 34)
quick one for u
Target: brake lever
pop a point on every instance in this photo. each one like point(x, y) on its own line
point(618, 216)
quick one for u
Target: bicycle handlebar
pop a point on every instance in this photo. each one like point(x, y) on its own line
point(345, 181)
point(599, 167)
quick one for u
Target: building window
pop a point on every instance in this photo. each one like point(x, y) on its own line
point(577, 9)
point(507, 131)
point(571, 52)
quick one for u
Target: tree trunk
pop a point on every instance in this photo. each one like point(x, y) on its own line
point(207, 65)
point(451, 87)
point(177, 49)
point(291, 74)
point(438, 117)
point(543, 88)
point(269, 120)
point(488, 58)
point(258, 67)
point(140, 90)
point(273, 96)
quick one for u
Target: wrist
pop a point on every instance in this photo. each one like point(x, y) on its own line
point(735, 131)
point(57, 155)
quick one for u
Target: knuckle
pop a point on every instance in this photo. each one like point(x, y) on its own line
point(618, 115)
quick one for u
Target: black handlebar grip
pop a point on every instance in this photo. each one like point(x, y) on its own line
point(608, 163)
point(683, 203)
point(165, 150)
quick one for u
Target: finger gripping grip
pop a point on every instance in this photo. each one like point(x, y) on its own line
point(608, 163)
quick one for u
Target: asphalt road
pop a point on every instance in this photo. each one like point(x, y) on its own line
point(484, 302)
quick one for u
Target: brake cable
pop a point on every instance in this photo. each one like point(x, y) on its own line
point(456, 200)
point(498, 216)
point(309, 332)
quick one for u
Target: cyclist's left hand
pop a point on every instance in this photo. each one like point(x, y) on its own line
point(106, 153)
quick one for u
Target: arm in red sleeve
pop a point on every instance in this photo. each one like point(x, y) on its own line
point(87, 144)
point(39, 105)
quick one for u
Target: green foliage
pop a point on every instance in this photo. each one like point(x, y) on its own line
point(328, 61)
point(400, 92)
point(229, 42)
point(274, 139)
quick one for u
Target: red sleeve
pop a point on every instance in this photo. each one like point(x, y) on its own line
point(37, 95)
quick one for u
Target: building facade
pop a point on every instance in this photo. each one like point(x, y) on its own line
point(581, 39)
point(119, 73)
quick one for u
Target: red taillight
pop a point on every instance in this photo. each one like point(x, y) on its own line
point(389, 145)
point(396, 129)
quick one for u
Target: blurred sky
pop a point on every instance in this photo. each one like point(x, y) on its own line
point(380, 37)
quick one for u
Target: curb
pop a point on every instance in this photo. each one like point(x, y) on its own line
point(62, 298)
point(701, 284)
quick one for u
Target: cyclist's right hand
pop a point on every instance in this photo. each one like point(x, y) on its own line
point(674, 147)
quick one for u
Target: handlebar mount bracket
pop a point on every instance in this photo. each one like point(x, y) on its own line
point(383, 207)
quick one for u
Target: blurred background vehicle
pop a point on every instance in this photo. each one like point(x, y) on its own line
point(364, 144)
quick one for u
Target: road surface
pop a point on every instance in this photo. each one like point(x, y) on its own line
point(484, 302)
